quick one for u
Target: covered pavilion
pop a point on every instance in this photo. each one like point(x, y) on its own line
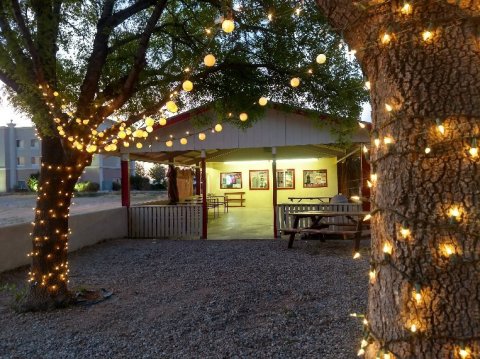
point(239, 163)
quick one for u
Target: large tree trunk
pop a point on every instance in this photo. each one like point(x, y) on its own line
point(48, 275)
point(431, 280)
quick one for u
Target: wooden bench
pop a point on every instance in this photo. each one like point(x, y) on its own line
point(323, 231)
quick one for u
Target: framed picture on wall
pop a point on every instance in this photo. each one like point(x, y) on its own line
point(314, 178)
point(231, 180)
point(286, 179)
point(259, 180)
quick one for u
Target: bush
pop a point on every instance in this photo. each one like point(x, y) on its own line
point(32, 182)
point(87, 186)
point(139, 183)
point(116, 186)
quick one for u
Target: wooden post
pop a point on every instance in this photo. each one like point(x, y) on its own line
point(274, 181)
point(364, 175)
point(198, 179)
point(125, 179)
point(204, 196)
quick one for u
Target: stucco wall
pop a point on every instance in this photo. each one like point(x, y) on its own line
point(87, 229)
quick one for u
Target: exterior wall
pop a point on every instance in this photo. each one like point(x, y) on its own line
point(87, 229)
point(263, 198)
point(276, 129)
point(104, 170)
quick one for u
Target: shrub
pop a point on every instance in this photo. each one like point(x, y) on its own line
point(116, 186)
point(87, 186)
point(139, 183)
point(32, 182)
point(93, 187)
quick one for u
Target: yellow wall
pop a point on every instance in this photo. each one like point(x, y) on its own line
point(263, 198)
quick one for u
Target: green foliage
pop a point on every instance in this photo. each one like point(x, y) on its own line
point(17, 293)
point(158, 174)
point(32, 182)
point(139, 183)
point(258, 59)
point(116, 186)
point(86, 186)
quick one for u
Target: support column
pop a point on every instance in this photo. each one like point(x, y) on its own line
point(204, 196)
point(12, 159)
point(198, 179)
point(364, 176)
point(274, 181)
point(125, 174)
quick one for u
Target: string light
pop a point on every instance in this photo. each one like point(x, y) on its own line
point(295, 82)
point(209, 60)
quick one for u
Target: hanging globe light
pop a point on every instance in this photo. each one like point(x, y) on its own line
point(321, 59)
point(201, 136)
point(187, 85)
point(218, 127)
point(209, 60)
point(163, 121)
point(243, 117)
point(228, 26)
point(295, 82)
point(262, 101)
point(183, 141)
point(169, 143)
point(149, 121)
point(171, 106)
point(139, 145)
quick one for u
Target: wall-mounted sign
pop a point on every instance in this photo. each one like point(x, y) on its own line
point(314, 178)
point(286, 179)
point(229, 180)
point(259, 179)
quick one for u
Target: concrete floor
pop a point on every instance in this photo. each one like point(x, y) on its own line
point(241, 223)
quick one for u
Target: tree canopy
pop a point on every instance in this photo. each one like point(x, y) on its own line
point(83, 61)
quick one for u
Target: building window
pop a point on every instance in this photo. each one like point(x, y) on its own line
point(34, 161)
point(21, 185)
point(34, 143)
point(19, 143)
point(20, 161)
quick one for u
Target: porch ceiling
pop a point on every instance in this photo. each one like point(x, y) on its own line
point(189, 158)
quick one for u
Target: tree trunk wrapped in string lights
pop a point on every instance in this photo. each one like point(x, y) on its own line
point(422, 61)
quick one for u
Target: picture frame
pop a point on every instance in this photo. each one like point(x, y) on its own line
point(314, 178)
point(259, 180)
point(231, 180)
point(286, 179)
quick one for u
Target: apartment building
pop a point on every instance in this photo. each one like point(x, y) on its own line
point(20, 156)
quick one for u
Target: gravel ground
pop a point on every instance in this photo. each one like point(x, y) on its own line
point(200, 299)
point(17, 208)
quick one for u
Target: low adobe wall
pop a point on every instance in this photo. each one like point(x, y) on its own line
point(87, 229)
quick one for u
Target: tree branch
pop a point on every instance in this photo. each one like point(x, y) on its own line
point(7, 80)
point(139, 62)
point(37, 64)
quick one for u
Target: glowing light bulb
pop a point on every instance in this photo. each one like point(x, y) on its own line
point(368, 85)
point(169, 143)
point(463, 353)
point(218, 127)
point(428, 150)
point(201, 136)
point(270, 17)
point(183, 141)
point(405, 232)
point(321, 59)
point(187, 85)
point(262, 101)
point(373, 275)
point(228, 26)
point(427, 35)
point(406, 9)
point(243, 117)
point(388, 107)
point(365, 149)
point(387, 248)
point(361, 352)
point(455, 213)
point(295, 82)
point(473, 149)
point(162, 121)
point(171, 106)
point(367, 217)
point(386, 38)
point(373, 177)
point(209, 60)
point(361, 124)
point(356, 255)
point(413, 328)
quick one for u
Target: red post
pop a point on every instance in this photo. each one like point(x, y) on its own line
point(204, 197)
point(274, 182)
point(125, 181)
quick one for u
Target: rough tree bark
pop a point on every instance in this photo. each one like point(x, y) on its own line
point(48, 277)
point(431, 279)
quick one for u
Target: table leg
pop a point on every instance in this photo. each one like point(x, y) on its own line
point(292, 235)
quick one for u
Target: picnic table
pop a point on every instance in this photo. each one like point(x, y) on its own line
point(300, 199)
point(353, 224)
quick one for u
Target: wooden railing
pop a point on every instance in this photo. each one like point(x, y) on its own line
point(164, 221)
point(284, 220)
